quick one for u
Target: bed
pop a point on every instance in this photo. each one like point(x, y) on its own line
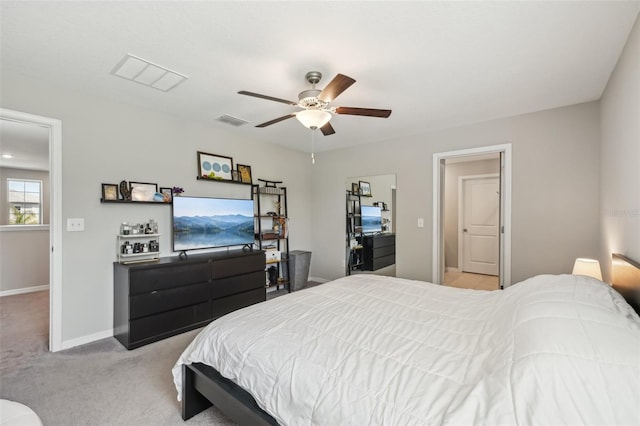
point(364, 349)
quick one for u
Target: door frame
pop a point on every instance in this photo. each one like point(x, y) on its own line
point(461, 204)
point(55, 217)
point(437, 264)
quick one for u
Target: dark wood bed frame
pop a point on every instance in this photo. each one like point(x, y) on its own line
point(203, 386)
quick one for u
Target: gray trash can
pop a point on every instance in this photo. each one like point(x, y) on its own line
point(299, 261)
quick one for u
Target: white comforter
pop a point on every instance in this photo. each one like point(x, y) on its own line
point(366, 350)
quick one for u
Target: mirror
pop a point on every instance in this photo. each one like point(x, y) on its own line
point(370, 212)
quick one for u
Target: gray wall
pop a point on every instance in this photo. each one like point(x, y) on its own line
point(24, 251)
point(555, 205)
point(620, 158)
point(107, 141)
point(24, 258)
point(450, 215)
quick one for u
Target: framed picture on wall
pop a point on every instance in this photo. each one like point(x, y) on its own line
point(143, 191)
point(355, 188)
point(365, 188)
point(109, 191)
point(245, 173)
point(213, 166)
point(167, 194)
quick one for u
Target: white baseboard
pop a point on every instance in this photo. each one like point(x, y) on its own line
point(319, 280)
point(24, 290)
point(68, 344)
point(450, 269)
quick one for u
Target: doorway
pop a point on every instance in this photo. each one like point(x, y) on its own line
point(54, 128)
point(481, 178)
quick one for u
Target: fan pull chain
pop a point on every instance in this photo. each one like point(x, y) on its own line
point(313, 158)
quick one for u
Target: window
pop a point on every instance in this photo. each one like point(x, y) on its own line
point(25, 201)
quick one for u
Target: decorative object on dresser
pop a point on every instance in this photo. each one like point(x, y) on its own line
point(272, 229)
point(215, 167)
point(159, 300)
point(138, 242)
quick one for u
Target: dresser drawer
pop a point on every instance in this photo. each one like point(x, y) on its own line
point(384, 251)
point(165, 300)
point(223, 306)
point(379, 241)
point(153, 279)
point(168, 323)
point(240, 283)
point(238, 265)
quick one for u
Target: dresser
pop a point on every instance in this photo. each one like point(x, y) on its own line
point(378, 251)
point(153, 301)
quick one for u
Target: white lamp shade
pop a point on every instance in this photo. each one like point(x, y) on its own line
point(313, 118)
point(588, 267)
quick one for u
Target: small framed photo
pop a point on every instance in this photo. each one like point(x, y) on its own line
point(245, 173)
point(167, 195)
point(213, 166)
point(109, 191)
point(355, 189)
point(365, 188)
point(143, 191)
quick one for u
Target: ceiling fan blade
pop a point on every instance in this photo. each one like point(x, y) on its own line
point(269, 98)
point(339, 84)
point(327, 129)
point(276, 120)
point(369, 112)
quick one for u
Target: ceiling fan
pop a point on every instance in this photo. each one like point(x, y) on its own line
point(316, 110)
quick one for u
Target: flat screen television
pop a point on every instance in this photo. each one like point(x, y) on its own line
point(371, 219)
point(203, 223)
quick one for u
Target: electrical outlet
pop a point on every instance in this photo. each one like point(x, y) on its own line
point(420, 222)
point(75, 224)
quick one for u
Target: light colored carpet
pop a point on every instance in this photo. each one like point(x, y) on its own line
point(100, 383)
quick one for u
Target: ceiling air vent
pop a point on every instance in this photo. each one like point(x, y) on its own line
point(147, 73)
point(234, 121)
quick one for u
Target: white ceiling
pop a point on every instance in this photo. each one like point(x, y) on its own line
point(28, 145)
point(435, 64)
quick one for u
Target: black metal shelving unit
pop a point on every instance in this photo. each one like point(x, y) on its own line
point(278, 235)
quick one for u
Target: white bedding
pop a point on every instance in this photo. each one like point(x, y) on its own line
point(367, 349)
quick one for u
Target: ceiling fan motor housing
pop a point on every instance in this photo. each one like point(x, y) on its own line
point(309, 99)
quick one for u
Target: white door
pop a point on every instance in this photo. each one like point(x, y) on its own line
point(480, 225)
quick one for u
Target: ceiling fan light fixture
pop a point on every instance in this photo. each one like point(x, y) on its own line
point(313, 118)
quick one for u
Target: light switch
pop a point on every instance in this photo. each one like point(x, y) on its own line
point(420, 222)
point(75, 224)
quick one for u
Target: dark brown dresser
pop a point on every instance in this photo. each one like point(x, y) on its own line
point(153, 301)
point(378, 251)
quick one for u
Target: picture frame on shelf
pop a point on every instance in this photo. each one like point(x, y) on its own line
point(245, 173)
point(167, 195)
point(143, 191)
point(355, 188)
point(235, 175)
point(109, 191)
point(215, 167)
point(365, 188)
